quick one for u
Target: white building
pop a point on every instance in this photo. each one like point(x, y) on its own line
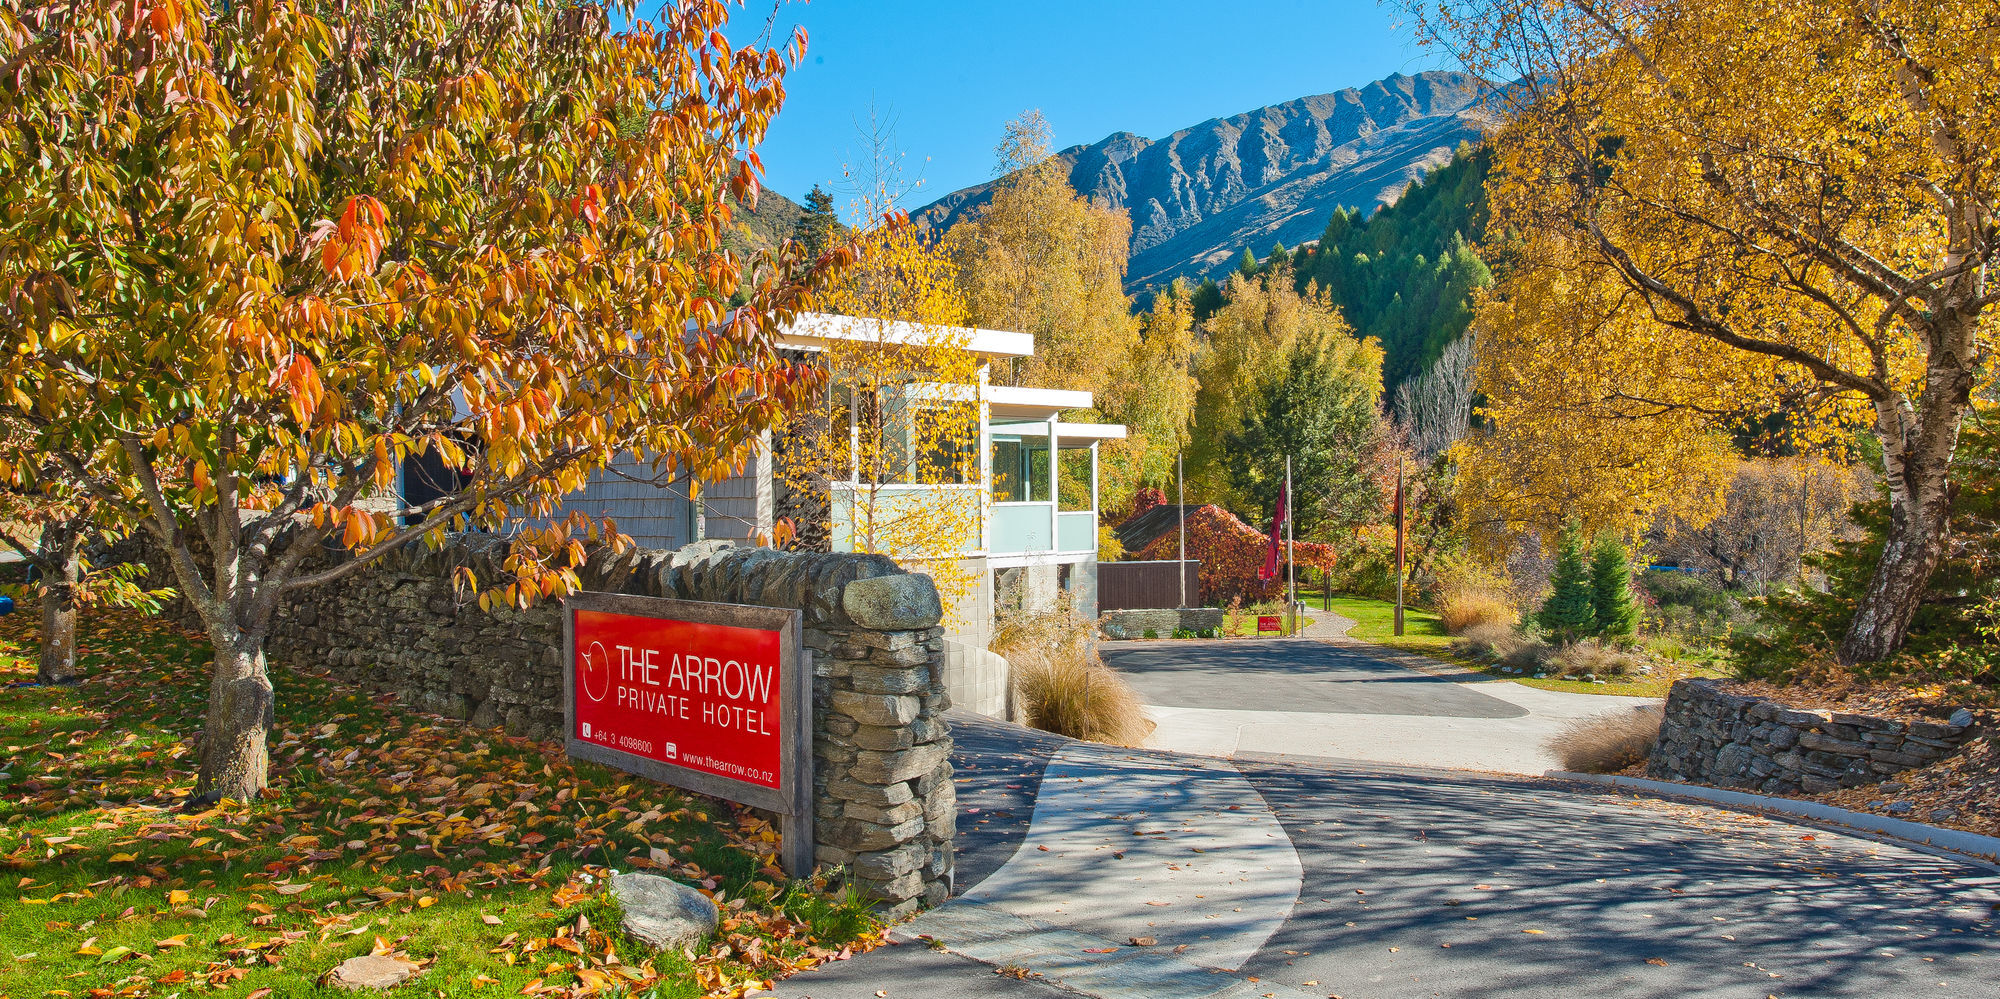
point(1036, 496)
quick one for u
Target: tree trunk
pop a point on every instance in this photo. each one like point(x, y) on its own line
point(1916, 460)
point(234, 759)
point(62, 565)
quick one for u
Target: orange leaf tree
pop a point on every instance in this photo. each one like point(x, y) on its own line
point(52, 524)
point(258, 259)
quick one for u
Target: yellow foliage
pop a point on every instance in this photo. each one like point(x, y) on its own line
point(1578, 422)
point(1040, 259)
point(892, 445)
point(1735, 215)
point(1246, 350)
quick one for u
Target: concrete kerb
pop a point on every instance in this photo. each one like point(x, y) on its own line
point(1982, 850)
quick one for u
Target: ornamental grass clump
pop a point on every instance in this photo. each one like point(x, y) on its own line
point(1462, 608)
point(1593, 659)
point(1064, 687)
point(1609, 742)
point(1503, 645)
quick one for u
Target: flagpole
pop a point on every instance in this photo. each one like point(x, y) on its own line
point(1399, 546)
point(1291, 567)
point(1180, 514)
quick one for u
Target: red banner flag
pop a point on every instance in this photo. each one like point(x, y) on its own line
point(1270, 569)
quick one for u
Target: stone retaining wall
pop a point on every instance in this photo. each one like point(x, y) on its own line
point(1121, 624)
point(882, 788)
point(1711, 736)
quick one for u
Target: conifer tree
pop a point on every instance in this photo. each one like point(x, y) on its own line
point(1616, 610)
point(1248, 265)
point(818, 227)
point(1570, 612)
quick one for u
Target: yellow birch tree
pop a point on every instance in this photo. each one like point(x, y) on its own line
point(890, 450)
point(1793, 205)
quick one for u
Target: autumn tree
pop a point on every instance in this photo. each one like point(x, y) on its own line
point(1776, 513)
point(891, 447)
point(1561, 440)
point(255, 258)
point(1960, 613)
point(1434, 409)
point(1153, 394)
point(1041, 259)
point(1766, 204)
point(1322, 411)
point(1246, 354)
point(56, 527)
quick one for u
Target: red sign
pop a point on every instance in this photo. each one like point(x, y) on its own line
point(700, 696)
point(1269, 622)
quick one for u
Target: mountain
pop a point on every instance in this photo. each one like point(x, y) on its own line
point(768, 225)
point(1200, 196)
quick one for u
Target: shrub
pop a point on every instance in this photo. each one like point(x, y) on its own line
point(1462, 608)
point(1497, 643)
point(1151, 633)
point(1593, 658)
point(1609, 742)
point(1064, 687)
point(1232, 554)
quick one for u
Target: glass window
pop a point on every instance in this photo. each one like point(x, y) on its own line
point(950, 456)
point(1020, 468)
point(1074, 481)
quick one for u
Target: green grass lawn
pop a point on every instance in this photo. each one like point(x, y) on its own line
point(1375, 621)
point(478, 855)
point(1246, 625)
point(1424, 634)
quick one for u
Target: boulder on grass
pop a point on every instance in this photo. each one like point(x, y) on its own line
point(663, 913)
point(376, 972)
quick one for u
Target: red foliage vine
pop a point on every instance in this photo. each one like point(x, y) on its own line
point(1231, 553)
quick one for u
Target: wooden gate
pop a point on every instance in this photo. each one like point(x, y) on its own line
point(1146, 585)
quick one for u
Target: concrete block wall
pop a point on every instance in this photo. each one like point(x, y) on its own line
point(1162, 623)
point(978, 679)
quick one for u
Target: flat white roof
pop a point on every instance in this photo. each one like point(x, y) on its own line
point(811, 329)
point(1091, 431)
point(1017, 400)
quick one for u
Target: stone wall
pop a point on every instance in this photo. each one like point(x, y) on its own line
point(882, 788)
point(1135, 623)
point(1711, 736)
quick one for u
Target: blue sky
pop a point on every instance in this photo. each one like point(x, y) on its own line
point(951, 72)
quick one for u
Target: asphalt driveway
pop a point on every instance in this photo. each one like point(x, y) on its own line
point(1344, 699)
point(1426, 883)
point(1292, 675)
point(1292, 879)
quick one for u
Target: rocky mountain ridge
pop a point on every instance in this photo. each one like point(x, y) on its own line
point(1198, 197)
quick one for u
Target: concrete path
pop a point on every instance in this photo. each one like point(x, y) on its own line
point(1409, 883)
point(1216, 870)
point(1343, 699)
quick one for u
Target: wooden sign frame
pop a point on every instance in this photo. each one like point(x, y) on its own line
point(792, 799)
